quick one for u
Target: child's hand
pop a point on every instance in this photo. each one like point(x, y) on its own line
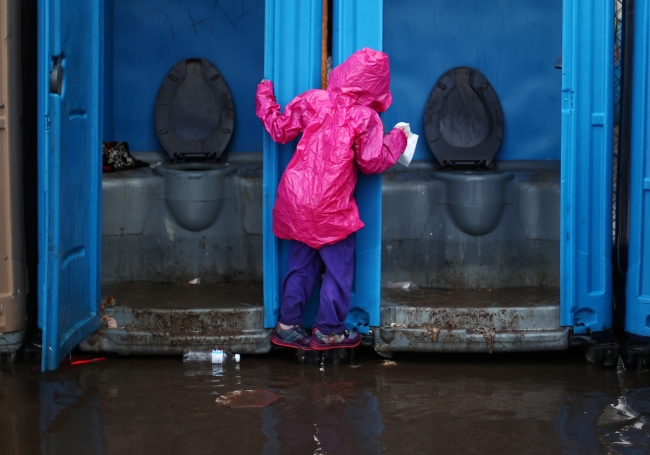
point(404, 127)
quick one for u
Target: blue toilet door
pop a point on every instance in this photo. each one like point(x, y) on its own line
point(292, 61)
point(586, 179)
point(637, 310)
point(359, 24)
point(292, 49)
point(69, 173)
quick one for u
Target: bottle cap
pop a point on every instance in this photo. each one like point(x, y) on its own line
point(237, 357)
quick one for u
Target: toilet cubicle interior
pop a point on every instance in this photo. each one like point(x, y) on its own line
point(514, 44)
point(148, 258)
point(433, 237)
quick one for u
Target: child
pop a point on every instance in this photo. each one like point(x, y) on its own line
point(315, 207)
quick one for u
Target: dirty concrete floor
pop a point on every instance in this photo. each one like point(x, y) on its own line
point(183, 296)
point(546, 403)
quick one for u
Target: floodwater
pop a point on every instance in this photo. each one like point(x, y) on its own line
point(545, 403)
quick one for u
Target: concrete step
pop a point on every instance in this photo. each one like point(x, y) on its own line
point(520, 319)
point(501, 309)
point(154, 342)
point(189, 321)
point(155, 318)
point(186, 307)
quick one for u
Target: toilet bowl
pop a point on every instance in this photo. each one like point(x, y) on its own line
point(194, 120)
point(475, 198)
point(195, 192)
point(464, 129)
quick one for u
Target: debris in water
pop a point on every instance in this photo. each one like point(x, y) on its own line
point(155, 165)
point(85, 361)
point(620, 413)
point(355, 366)
point(389, 363)
point(488, 334)
point(72, 361)
point(405, 285)
point(433, 330)
point(195, 281)
point(248, 399)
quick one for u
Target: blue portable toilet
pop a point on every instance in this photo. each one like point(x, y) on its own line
point(101, 66)
point(351, 33)
point(636, 352)
point(516, 44)
point(84, 101)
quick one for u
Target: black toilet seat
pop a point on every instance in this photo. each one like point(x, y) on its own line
point(194, 113)
point(463, 120)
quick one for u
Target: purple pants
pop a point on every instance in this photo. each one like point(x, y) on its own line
point(305, 266)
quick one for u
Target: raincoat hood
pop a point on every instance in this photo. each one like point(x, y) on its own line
point(364, 78)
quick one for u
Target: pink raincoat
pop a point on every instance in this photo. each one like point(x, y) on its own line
point(342, 133)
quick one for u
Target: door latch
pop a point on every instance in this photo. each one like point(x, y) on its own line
point(56, 76)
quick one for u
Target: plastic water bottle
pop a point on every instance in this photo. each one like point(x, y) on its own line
point(213, 356)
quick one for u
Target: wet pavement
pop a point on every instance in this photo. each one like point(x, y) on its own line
point(542, 403)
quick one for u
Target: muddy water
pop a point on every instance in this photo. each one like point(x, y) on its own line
point(469, 404)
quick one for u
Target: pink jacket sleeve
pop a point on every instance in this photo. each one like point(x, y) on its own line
point(375, 152)
point(282, 127)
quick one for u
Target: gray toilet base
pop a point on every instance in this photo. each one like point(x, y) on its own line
point(422, 243)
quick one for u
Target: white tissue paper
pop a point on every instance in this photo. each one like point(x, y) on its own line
point(411, 141)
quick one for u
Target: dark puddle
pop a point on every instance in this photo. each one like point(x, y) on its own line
point(465, 404)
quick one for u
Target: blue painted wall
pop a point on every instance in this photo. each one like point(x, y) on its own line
point(514, 43)
point(145, 38)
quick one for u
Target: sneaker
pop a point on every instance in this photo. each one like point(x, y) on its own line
point(295, 337)
point(345, 339)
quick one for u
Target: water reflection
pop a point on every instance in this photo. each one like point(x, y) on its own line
point(423, 404)
point(597, 422)
point(333, 418)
